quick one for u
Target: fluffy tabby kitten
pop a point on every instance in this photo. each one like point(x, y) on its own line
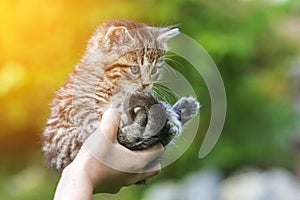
point(122, 60)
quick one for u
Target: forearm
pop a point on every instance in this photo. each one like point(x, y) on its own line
point(74, 184)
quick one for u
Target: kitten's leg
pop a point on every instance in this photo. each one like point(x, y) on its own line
point(157, 118)
point(162, 126)
point(183, 110)
point(173, 126)
point(186, 107)
point(156, 122)
point(131, 134)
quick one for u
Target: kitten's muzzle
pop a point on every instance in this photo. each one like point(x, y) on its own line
point(145, 85)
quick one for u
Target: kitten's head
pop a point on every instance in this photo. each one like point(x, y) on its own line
point(134, 52)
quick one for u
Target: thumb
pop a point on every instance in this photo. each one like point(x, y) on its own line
point(110, 123)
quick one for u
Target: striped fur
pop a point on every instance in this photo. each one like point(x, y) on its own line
point(100, 80)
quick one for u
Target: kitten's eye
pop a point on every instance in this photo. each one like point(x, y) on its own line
point(154, 70)
point(135, 69)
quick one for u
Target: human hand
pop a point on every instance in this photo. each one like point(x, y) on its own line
point(118, 165)
point(105, 164)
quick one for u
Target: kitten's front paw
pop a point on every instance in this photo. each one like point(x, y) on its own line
point(172, 128)
point(186, 107)
point(128, 135)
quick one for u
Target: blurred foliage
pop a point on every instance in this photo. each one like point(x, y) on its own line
point(251, 42)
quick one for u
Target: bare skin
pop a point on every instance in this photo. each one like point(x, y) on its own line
point(79, 179)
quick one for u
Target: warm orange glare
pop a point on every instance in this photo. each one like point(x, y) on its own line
point(12, 74)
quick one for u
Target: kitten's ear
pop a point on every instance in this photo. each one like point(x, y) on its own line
point(168, 32)
point(116, 35)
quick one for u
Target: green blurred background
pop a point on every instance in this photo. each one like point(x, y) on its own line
point(255, 44)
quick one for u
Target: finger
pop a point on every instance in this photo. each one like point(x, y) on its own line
point(133, 161)
point(154, 165)
point(142, 176)
point(151, 171)
point(153, 151)
point(153, 154)
point(98, 143)
point(156, 147)
point(110, 123)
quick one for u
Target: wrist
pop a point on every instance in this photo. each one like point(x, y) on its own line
point(76, 173)
point(87, 167)
point(74, 184)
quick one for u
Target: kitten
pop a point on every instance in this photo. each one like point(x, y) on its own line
point(122, 60)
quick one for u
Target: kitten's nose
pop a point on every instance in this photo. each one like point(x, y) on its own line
point(145, 85)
